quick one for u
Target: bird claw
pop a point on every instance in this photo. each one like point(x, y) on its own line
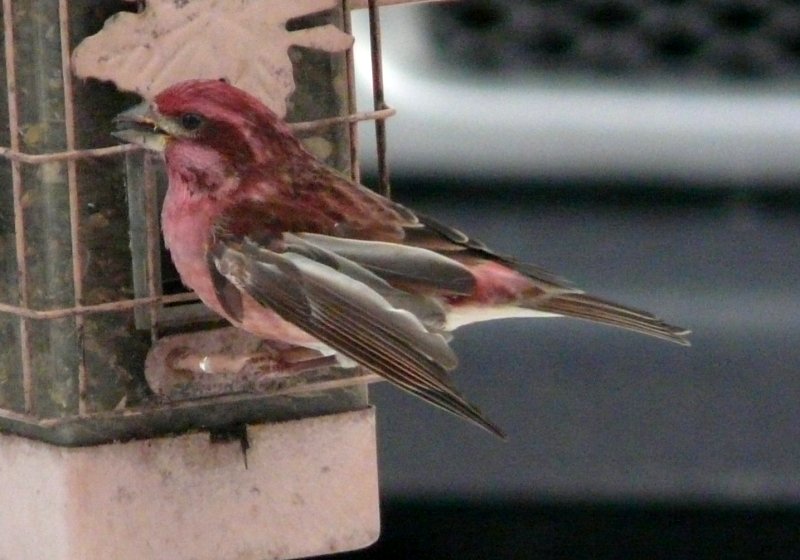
point(223, 362)
point(279, 368)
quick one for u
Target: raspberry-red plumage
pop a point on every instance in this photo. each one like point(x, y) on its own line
point(290, 249)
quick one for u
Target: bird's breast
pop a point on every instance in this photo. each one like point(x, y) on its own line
point(187, 227)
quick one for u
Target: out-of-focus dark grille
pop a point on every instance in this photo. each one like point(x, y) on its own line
point(705, 39)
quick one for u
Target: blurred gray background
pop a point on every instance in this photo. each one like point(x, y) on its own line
point(650, 152)
point(665, 179)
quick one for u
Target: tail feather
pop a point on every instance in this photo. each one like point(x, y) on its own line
point(584, 306)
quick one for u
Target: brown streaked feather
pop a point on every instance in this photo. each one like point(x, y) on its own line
point(550, 293)
point(366, 304)
point(405, 265)
point(584, 306)
point(351, 318)
point(436, 236)
point(445, 274)
point(427, 309)
point(230, 298)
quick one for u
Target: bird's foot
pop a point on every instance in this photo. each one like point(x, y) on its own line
point(227, 361)
point(277, 368)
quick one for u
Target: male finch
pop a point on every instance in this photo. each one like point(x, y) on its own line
point(290, 250)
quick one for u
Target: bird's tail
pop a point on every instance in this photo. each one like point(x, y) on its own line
point(584, 306)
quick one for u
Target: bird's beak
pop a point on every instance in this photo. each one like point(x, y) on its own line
point(140, 125)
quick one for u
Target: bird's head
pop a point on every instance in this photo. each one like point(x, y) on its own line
point(203, 123)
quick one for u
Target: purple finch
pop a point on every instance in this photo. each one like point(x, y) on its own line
point(292, 251)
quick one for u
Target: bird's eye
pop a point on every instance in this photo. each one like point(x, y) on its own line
point(191, 121)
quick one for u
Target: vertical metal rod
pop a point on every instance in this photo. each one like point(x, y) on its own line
point(74, 203)
point(153, 249)
point(352, 108)
point(377, 93)
point(17, 192)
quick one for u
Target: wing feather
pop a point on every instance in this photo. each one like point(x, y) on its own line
point(350, 316)
point(427, 309)
point(399, 264)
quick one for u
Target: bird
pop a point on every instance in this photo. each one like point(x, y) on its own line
point(293, 251)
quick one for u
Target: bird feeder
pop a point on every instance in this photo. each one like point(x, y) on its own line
point(102, 343)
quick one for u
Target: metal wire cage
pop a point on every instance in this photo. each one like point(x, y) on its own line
point(85, 288)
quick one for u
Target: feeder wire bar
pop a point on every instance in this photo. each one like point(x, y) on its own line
point(153, 248)
point(352, 106)
point(13, 154)
point(377, 93)
point(154, 298)
point(74, 204)
point(19, 220)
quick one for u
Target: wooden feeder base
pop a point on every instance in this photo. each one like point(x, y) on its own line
point(310, 487)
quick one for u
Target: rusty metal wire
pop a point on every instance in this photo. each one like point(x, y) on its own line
point(377, 94)
point(352, 128)
point(16, 185)
point(154, 301)
point(15, 156)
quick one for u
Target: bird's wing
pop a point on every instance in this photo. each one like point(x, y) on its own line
point(323, 202)
point(349, 308)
